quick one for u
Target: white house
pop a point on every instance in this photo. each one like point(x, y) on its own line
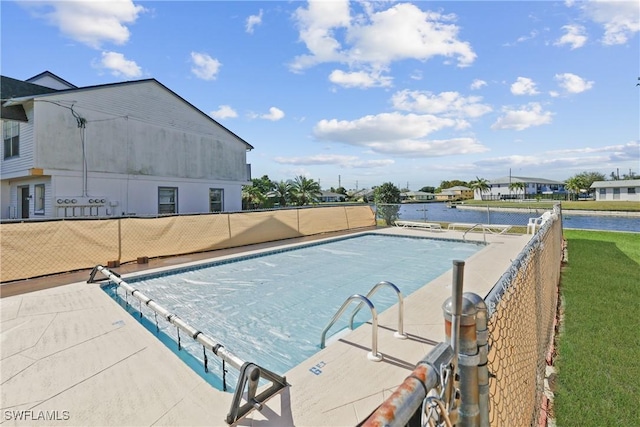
point(624, 190)
point(499, 189)
point(416, 197)
point(117, 149)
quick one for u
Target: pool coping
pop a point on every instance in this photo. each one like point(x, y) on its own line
point(72, 348)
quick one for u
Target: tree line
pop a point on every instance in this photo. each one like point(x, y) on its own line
point(300, 191)
point(265, 193)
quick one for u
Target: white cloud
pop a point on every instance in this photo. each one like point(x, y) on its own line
point(450, 104)
point(316, 25)
point(361, 79)
point(564, 161)
point(532, 35)
point(572, 83)
point(430, 148)
point(398, 134)
point(119, 65)
point(620, 19)
point(350, 162)
point(523, 118)
point(89, 22)
point(252, 21)
point(524, 86)
point(274, 114)
point(416, 75)
point(376, 38)
point(204, 66)
point(224, 112)
point(477, 84)
point(628, 151)
point(574, 36)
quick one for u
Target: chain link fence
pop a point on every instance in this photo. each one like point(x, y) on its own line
point(39, 248)
point(522, 309)
point(447, 213)
point(502, 385)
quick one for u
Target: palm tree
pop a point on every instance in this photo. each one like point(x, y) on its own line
point(574, 185)
point(480, 185)
point(282, 191)
point(252, 197)
point(517, 186)
point(305, 190)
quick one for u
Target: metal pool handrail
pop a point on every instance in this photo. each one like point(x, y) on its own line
point(484, 234)
point(400, 332)
point(250, 373)
point(373, 354)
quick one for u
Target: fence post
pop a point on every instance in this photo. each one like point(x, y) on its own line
point(452, 308)
point(482, 335)
point(460, 329)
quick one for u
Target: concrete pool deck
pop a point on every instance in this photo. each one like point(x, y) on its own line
point(70, 355)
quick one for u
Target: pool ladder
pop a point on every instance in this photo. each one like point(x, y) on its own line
point(364, 300)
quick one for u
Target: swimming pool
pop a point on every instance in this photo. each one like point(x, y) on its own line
point(271, 308)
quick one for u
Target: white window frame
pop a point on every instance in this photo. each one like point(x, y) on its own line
point(10, 139)
point(220, 202)
point(38, 199)
point(167, 202)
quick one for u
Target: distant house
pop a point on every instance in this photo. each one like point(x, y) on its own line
point(624, 190)
point(330, 197)
point(116, 149)
point(364, 195)
point(499, 189)
point(458, 192)
point(416, 197)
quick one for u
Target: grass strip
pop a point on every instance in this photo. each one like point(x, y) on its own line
point(599, 345)
point(603, 206)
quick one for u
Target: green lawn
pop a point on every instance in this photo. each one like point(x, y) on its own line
point(584, 205)
point(598, 357)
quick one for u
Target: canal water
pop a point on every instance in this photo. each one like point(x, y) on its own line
point(440, 212)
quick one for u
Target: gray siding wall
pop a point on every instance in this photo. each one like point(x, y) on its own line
point(138, 129)
point(23, 162)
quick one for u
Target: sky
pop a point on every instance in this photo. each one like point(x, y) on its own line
point(357, 94)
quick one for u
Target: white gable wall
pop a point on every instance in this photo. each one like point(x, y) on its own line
point(138, 128)
point(137, 137)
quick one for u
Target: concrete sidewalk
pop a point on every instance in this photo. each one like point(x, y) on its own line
point(71, 356)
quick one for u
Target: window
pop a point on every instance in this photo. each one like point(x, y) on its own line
point(603, 192)
point(38, 203)
point(616, 193)
point(631, 190)
point(216, 199)
point(167, 200)
point(11, 138)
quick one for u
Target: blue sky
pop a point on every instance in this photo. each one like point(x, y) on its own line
point(362, 93)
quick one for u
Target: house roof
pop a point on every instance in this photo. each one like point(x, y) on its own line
point(512, 179)
point(616, 184)
point(416, 193)
point(19, 98)
point(13, 88)
point(49, 74)
point(459, 188)
point(330, 194)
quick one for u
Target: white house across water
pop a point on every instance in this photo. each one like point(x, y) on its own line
point(622, 190)
point(129, 148)
point(502, 189)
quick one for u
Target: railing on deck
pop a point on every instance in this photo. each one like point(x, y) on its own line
point(250, 373)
